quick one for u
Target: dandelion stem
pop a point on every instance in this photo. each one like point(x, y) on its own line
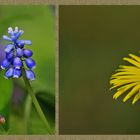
point(35, 102)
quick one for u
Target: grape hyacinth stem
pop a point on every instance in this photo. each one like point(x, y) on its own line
point(35, 102)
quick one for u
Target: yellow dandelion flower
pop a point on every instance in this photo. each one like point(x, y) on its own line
point(127, 79)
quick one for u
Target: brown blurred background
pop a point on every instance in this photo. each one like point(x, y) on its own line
point(93, 41)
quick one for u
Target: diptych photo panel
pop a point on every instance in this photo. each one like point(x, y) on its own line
point(99, 63)
point(27, 71)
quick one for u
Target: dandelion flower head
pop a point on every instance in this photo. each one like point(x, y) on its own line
point(127, 79)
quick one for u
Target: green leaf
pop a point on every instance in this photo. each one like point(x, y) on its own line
point(6, 89)
point(48, 107)
point(46, 97)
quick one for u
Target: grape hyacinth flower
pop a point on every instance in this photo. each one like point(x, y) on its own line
point(16, 56)
point(18, 62)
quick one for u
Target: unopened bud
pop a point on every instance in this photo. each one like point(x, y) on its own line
point(2, 120)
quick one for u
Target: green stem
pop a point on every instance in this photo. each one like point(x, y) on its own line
point(35, 102)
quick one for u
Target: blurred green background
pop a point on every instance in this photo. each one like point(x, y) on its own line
point(93, 41)
point(38, 23)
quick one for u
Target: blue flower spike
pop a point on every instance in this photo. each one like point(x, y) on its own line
point(16, 56)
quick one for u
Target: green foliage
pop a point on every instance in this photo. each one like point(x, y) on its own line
point(5, 97)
